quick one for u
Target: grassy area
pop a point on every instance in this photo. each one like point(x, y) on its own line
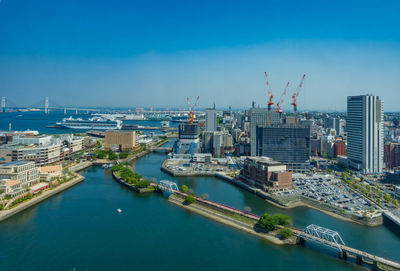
point(249, 221)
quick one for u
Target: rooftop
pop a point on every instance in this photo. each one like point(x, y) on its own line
point(11, 182)
point(15, 163)
point(264, 160)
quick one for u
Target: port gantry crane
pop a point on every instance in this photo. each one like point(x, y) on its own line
point(270, 102)
point(280, 102)
point(294, 98)
point(191, 110)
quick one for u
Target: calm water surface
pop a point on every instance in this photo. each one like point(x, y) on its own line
point(81, 229)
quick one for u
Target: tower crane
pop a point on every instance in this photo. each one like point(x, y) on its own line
point(280, 102)
point(270, 102)
point(191, 110)
point(295, 95)
point(316, 155)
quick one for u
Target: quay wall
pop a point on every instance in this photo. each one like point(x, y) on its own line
point(45, 195)
point(303, 201)
point(139, 190)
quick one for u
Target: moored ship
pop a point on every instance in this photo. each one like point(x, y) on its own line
point(95, 123)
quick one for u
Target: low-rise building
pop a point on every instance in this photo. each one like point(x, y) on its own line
point(11, 187)
point(125, 140)
point(202, 157)
point(47, 173)
point(26, 173)
point(265, 173)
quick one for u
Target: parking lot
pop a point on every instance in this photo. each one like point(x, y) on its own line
point(330, 190)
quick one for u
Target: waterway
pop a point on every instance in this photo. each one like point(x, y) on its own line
point(21, 121)
point(80, 228)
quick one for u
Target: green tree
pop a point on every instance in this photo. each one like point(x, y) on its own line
point(112, 155)
point(396, 203)
point(184, 188)
point(98, 143)
point(387, 197)
point(123, 155)
point(190, 199)
point(268, 222)
point(285, 233)
point(143, 184)
point(282, 219)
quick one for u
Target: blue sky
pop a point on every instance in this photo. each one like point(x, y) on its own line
point(156, 53)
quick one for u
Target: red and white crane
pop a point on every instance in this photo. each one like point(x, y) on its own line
point(280, 102)
point(270, 102)
point(191, 110)
point(296, 94)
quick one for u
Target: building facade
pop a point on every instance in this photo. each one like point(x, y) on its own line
point(287, 144)
point(365, 133)
point(265, 173)
point(188, 140)
point(259, 116)
point(126, 140)
point(23, 173)
point(392, 155)
point(211, 119)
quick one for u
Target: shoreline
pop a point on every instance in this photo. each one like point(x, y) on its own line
point(372, 222)
point(196, 208)
point(5, 214)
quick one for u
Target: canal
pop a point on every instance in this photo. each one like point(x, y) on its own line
point(80, 228)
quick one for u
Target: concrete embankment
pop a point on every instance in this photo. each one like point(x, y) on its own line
point(139, 190)
point(221, 214)
point(391, 221)
point(310, 203)
point(45, 195)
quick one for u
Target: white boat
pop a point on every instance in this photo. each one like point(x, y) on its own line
point(119, 210)
point(95, 123)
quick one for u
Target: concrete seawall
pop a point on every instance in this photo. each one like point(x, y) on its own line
point(302, 201)
point(139, 190)
point(45, 195)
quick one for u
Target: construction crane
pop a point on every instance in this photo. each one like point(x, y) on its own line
point(295, 95)
point(191, 110)
point(280, 102)
point(270, 102)
point(316, 155)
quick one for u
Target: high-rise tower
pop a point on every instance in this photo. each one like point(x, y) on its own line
point(365, 133)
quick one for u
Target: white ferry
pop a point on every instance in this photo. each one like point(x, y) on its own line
point(95, 123)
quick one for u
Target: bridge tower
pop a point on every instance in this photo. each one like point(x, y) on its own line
point(3, 104)
point(76, 111)
point(46, 106)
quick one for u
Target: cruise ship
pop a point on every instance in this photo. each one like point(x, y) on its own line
point(95, 123)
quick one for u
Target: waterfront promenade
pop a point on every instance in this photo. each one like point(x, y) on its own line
point(43, 196)
point(4, 214)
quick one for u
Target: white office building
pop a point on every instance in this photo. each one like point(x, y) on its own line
point(365, 133)
point(211, 119)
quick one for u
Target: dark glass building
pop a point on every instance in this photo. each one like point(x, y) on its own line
point(288, 144)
